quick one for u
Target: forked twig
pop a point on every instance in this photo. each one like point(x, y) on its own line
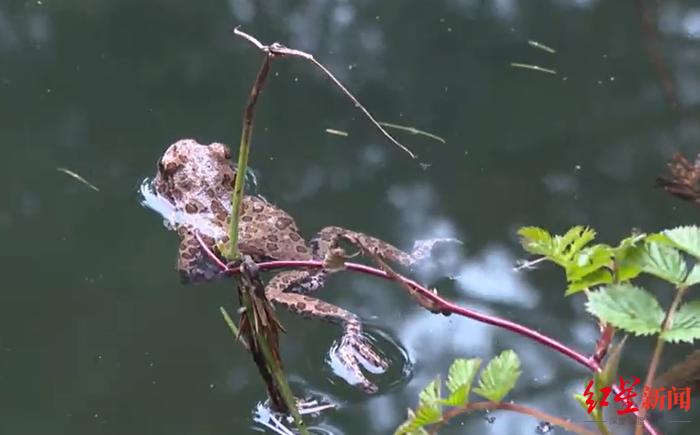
point(278, 50)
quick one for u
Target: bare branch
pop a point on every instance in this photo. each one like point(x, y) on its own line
point(278, 50)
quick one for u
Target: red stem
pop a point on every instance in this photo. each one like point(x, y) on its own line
point(446, 306)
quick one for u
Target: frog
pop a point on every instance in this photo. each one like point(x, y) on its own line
point(197, 180)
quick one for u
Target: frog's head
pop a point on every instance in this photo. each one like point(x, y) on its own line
point(189, 168)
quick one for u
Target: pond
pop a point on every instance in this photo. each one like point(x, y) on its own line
point(98, 335)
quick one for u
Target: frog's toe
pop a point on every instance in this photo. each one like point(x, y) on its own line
point(348, 357)
point(355, 352)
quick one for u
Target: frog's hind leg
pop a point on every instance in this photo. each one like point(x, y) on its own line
point(280, 291)
point(328, 238)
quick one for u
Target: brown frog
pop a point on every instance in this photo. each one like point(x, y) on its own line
point(197, 180)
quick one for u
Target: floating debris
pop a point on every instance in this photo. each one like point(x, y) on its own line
point(79, 178)
point(412, 130)
point(336, 132)
point(541, 46)
point(532, 67)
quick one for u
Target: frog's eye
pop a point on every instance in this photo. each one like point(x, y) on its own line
point(227, 153)
point(161, 167)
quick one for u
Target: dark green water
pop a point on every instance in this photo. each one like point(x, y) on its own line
point(97, 335)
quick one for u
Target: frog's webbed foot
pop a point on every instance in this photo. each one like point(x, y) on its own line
point(328, 238)
point(354, 351)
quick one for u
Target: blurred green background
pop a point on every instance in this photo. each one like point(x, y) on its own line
point(97, 335)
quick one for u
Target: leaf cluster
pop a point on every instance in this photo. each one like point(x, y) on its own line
point(671, 255)
point(496, 380)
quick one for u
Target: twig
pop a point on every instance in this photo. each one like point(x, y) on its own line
point(542, 416)
point(413, 130)
point(278, 50)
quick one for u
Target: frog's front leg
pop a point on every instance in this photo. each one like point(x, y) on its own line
point(281, 290)
point(328, 238)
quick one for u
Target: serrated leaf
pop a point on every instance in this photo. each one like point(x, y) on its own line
point(410, 427)
point(536, 240)
point(693, 276)
point(600, 276)
point(628, 257)
point(687, 239)
point(430, 396)
point(664, 262)
point(499, 376)
point(459, 380)
point(426, 415)
point(686, 324)
point(627, 307)
point(588, 261)
point(575, 239)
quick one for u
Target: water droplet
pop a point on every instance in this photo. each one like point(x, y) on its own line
point(600, 82)
point(577, 167)
point(296, 79)
point(442, 20)
point(211, 386)
point(612, 79)
point(377, 18)
point(151, 364)
point(95, 415)
point(543, 427)
point(449, 29)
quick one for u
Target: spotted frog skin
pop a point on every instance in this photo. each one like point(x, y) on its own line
point(197, 180)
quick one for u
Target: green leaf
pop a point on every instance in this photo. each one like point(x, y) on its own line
point(410, 426)
point(600, 276)
point(499, 376)
point(628, 257)
point(459, 380)
point(575, 239)
point(627, 307)
point(430, 396)
point(536, 241)
point(587, 261)
point(687, 239)
point(663, 261)
point(426, 415)
point(694, 276)
point(686, 324)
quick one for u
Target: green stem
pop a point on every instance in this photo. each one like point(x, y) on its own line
point(656, 356)
point(232, 252)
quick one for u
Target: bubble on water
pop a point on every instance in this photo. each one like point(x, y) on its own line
point(211, 386)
